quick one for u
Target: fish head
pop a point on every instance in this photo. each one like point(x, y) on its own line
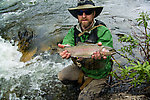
point(107, 51)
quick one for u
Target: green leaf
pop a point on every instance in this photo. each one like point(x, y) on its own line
point(140, 23)
point(145, 24)
point(138, 19)
point(132, 75)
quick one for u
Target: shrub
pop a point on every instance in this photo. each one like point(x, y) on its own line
point(138, 68)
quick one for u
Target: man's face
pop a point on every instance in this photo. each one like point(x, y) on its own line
point(86, 17)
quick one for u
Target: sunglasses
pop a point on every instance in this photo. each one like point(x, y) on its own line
point(87, 12)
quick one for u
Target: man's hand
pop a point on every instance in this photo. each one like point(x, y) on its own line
point(97, 55)
point(65, 54)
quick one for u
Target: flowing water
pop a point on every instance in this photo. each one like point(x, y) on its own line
point(49, 21)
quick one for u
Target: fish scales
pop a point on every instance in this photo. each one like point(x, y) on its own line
point(86, 50)
point(83, 51)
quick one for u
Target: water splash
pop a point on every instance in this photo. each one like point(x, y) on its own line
point(20, 80)
point(9, 58)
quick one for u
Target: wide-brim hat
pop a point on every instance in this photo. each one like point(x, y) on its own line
point(85, 4)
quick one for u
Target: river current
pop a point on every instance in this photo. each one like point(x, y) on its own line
point(49, 20)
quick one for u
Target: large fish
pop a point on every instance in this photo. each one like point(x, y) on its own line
point(85, 50)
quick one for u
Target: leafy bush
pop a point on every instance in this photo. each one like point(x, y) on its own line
point(138, 68)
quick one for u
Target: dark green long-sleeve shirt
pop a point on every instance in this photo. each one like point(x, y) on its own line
point(105, 37)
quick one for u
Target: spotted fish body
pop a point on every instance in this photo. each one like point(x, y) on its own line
point(86, 50)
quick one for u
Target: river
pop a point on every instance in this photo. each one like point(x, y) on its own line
point(49, 21)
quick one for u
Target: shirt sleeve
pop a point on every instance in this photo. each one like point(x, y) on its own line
point(69, 38)
point(105, 36)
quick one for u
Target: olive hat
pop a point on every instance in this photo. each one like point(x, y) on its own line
point(85, 4)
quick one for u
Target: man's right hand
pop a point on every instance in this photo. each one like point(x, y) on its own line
point(97, 55)
point(64, 54)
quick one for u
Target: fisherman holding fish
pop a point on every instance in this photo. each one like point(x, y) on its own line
point(91, 73)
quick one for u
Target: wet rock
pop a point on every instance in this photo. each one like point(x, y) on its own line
point(125, 96)
point(28, 55)
point(31, 45)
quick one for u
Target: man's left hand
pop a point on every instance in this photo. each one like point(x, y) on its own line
point(97, 55)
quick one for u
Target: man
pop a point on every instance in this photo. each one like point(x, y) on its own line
point(92, 73)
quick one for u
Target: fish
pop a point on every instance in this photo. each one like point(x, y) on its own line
point(84, 50)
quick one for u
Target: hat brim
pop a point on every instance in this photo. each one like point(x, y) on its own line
point(98, 10)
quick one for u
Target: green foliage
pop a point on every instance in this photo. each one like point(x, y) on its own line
point(132, 44)
point(144, 17)
point(124, 72)
point(137, 70)
point(140, 73)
